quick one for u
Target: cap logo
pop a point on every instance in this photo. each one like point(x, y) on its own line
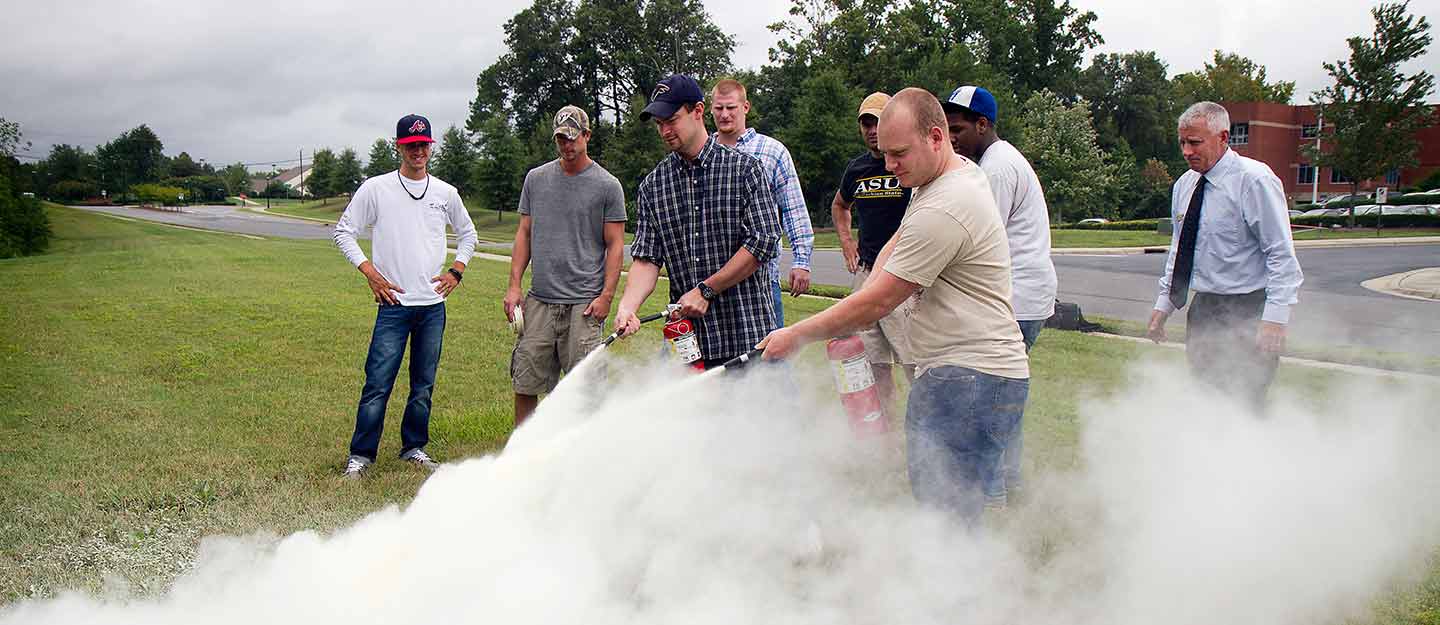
point(660, 89)
point(418, 126)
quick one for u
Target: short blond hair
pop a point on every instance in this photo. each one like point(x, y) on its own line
point(926, 109)
point(730, 85)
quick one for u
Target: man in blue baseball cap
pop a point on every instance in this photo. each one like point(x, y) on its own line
point(708, 216)
point(971, 113)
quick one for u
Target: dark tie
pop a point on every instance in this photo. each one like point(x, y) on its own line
point(1185, 256)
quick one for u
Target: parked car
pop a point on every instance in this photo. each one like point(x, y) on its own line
point(1294, 213)
point(1345, 197)
point(1316, 212)
point(1092, 221)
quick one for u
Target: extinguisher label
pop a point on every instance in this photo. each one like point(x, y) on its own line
point(852, 375)
point(685, 348)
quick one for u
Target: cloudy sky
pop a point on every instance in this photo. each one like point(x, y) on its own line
point(257, 81)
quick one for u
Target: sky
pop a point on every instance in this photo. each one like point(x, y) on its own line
point(260, 81)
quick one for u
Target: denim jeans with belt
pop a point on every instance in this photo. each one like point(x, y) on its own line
point(957, 426)
point(424, 328)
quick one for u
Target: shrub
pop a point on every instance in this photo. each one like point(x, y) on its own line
point(1132, 224)
point(160, 194)
point(24, 228)
point(73, 190)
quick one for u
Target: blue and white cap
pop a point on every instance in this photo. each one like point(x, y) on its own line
point(975, 99)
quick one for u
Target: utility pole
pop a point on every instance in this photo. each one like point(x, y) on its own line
point(301, 175)
point(1315, 180)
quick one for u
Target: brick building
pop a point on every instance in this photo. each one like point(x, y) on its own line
point(1274, 133)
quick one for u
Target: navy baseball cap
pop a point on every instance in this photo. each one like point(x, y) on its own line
point(976, 99)
point(670, 94)
point(413, 128)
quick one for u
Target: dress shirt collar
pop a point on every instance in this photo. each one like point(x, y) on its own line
point(1223, 167)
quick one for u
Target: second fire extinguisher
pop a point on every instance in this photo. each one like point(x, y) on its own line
point(856, 385)
point(683, 344)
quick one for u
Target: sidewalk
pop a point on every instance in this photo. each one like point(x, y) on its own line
point(1418, 284)
point(1161, 249)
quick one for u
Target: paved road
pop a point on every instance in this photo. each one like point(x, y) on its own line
point(1334, 309)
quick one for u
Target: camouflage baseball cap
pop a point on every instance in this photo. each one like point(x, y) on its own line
point(571, 122)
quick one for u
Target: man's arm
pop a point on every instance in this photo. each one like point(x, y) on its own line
point(465, 240)
point(795, 217)
point(638, 287)
point(360, 214)
point(840, 215)
point(882, 293)
point(1161, 313)
point(1265, 212)
point(599, 308)
point(519, 260)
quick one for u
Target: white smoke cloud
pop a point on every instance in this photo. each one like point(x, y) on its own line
point(745, 501)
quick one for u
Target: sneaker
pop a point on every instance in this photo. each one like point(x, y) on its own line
point(419, 458)
point(356, 467)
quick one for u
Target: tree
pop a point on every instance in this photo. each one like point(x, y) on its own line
point(1060, 142)
point(1040, 44)
point(640, 149)
point(136, 156)
point(501, 169)
point(183, 166)
point(10, 138)
point(322, 181)
point(1373, 111)
point(347, 172)
point(24, 228)
point(1130, 99)
point(455, 160)
point(383, 158)
point(1230, 78)
point(828, 136)
point(237, 178)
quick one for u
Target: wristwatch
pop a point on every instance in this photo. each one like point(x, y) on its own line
point(706, 292)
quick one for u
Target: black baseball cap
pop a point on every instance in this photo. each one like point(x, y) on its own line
point(413, 128)
point(670, 95)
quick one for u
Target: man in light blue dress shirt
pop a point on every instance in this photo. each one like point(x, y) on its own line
point(1232, 246)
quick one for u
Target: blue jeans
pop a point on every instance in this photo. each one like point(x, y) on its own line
point(957, 427)
point(424, 327)
point(779, 304)
point(1030, 331)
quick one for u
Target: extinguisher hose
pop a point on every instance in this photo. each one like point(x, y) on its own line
point(643, 320)
point(738, 362)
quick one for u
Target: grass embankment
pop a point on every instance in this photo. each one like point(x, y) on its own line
point(158, 385)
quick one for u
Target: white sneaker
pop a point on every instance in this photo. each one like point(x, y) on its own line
point(356, 467)
point(419, 458)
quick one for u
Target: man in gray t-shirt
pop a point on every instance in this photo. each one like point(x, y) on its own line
point(572, 229)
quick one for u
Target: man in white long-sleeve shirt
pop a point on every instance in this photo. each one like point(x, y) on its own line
point(1232, 245)
point(409, 210)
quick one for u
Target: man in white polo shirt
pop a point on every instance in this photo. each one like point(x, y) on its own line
point(972, 113)
point(409, 210)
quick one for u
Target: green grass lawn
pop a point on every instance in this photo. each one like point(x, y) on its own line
point(1362, 233)
point(158, 385)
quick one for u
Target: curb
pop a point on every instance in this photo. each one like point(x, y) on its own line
point(1424, 284)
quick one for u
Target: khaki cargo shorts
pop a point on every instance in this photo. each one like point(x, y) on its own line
point(888, 341)
point(555, 339)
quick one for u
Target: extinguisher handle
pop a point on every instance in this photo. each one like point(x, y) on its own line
point(741, 360)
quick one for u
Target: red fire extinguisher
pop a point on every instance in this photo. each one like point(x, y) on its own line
point(684, 345)
point(856, 384)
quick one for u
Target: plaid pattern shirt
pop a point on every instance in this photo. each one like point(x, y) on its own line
point(691, 219)
point(785, 186)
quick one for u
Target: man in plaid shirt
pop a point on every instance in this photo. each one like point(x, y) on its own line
point(729, 106)
point(707, 215)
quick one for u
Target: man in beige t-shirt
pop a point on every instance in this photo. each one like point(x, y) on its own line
point(973, 374)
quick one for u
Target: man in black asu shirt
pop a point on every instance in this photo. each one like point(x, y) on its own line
point(875, 195)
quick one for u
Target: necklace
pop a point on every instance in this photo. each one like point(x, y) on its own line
point(417, 198)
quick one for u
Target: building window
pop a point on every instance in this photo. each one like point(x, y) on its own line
point(1240, 133)
point(1305, 174)
point(1338, 177)
point(1309, 131)
point(1392, 178)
